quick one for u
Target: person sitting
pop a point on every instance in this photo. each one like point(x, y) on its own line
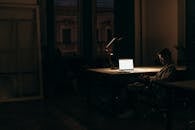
point(132, 91)
point(168, 70)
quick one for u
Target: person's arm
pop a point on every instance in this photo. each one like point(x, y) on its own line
point(170, 74)
point(144, 78)
point(165, 75)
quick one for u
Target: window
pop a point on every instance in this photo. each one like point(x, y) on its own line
point(104, 24)
point(109, 34)
point(66, 35)
point(67, 27)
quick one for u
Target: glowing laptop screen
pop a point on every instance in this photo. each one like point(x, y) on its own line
point(126, 64)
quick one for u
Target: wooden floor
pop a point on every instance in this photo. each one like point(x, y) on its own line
point(71, 112)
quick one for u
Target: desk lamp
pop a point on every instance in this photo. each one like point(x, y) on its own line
point(110, 52)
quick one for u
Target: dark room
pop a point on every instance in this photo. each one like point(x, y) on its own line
point(97, 64)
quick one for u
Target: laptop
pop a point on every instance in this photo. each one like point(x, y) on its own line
point(126, 65)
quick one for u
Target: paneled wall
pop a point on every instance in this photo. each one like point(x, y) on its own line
point(20, 68)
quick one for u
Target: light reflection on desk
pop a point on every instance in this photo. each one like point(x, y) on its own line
point(136, 70)
point(117, 71)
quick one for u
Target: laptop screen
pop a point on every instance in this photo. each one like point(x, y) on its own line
point(126, 64)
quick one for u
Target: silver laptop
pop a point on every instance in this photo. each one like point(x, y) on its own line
point(126, 64)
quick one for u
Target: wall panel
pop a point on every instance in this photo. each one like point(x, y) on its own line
point(20, 53)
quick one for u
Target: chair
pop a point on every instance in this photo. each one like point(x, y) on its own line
point(138, 95)
point(152, 95)
point(157, 98)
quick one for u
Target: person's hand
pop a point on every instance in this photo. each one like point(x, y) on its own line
point(144, 76)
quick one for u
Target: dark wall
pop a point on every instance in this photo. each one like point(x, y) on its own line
point(190, 36)
point(124, 26)
point(50, 24)
point(86, 17)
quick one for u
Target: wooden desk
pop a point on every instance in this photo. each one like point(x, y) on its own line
point(117, 78)
point(136, 70)
point(102, 82)
point(108, 82)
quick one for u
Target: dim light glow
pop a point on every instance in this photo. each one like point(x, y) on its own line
point(126, 64)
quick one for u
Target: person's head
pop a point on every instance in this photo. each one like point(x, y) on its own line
point(164, 56)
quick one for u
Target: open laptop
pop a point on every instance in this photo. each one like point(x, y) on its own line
point(126, 65)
